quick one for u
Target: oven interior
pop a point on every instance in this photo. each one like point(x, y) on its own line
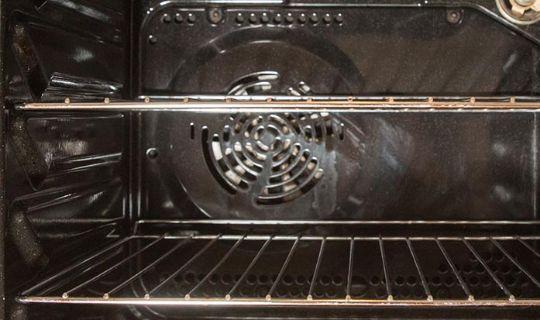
point(193, 160)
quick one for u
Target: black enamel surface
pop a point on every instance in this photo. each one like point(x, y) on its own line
point(359, 51)
point(389, 166)
point(79, 177)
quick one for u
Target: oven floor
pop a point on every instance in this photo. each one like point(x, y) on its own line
point(271, 269)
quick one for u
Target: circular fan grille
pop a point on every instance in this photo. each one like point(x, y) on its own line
point(275, 158)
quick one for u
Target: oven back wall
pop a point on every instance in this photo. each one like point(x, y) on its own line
point(340, 165)
point(331, 50)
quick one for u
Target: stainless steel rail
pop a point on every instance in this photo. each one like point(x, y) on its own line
point(287, 103)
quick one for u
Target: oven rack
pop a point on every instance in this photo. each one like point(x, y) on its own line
point(300, 270)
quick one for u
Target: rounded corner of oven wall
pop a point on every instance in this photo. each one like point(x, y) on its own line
point(64, 172)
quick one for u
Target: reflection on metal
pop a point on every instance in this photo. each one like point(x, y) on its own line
point(300, 103)
point(334, 222)
point(280, 302)
point(253, 84)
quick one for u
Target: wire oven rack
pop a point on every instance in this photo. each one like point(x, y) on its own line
point(306, 270)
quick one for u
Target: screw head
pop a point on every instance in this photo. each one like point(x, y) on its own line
point(152, 153)
point(314, 18)
point(302, 18)
point(338, 18)
point(453, 16)
point(265, 18)
point(215, 15)
point(152, 39)
point(191, 18)
point(278, 18)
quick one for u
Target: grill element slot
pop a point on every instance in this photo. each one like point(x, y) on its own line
point(274, 158)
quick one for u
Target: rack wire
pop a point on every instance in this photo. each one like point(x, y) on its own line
point(306, 270)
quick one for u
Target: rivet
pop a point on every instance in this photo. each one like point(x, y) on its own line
point(327, 18)
point(166, 18)
point(178, 18)
point(289, 18)
point(252, 18)
point(265, 18)
point(240, 18)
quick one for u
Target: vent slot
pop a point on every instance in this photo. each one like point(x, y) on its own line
point(210, 163)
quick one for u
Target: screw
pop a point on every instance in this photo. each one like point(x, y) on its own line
point(278, 18)
point(215, 16)
point(314, 18)
point(152, 39)
point(339, 18)
point(302, 18)
point(264, 18)
point(453, 16)
point(191, 18)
